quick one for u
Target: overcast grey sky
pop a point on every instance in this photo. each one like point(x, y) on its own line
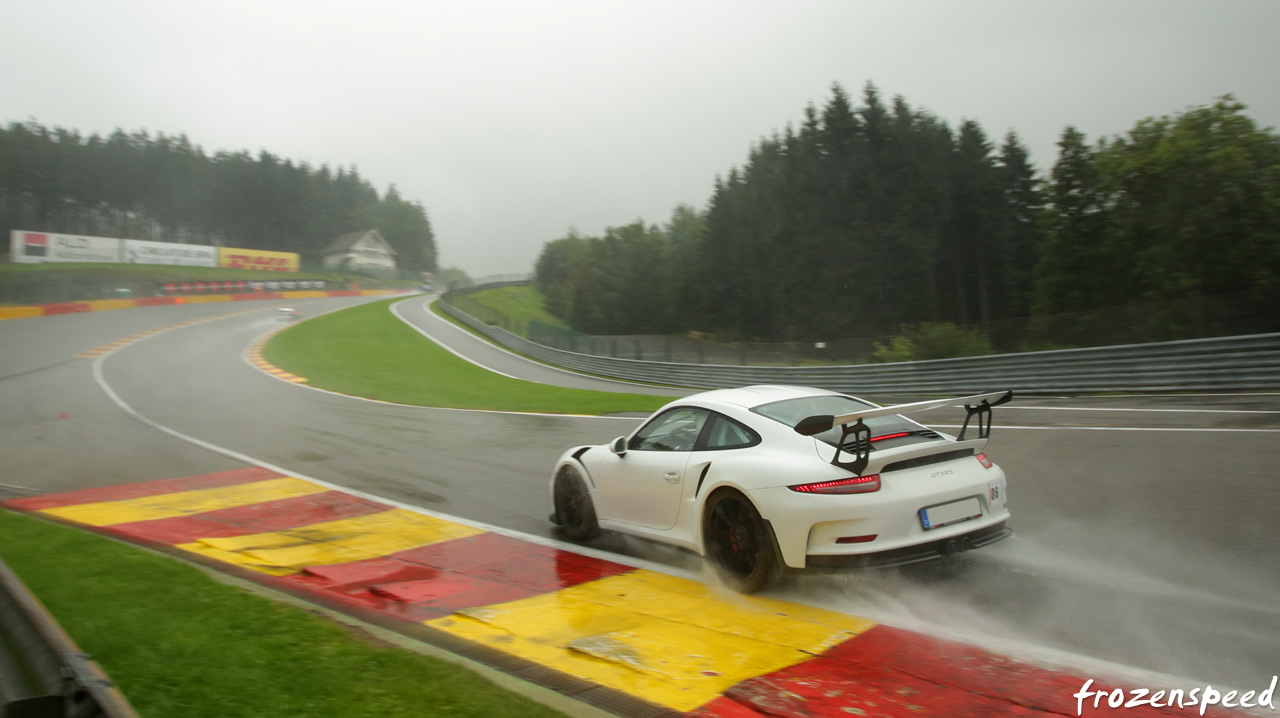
point(513, 121)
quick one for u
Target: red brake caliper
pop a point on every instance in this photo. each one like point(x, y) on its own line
point(734, 539)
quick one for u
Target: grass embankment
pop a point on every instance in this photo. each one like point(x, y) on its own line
point(520, 303)
point(179, 643)
point(366, 351)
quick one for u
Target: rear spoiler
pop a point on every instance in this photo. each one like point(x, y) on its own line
point(978, 405)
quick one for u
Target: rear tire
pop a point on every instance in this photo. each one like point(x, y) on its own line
point(574, 509)
point(738, 542)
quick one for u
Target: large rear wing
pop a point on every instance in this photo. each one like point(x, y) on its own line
point(978, 405)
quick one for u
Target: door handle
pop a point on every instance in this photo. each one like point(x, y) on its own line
point(672, 477)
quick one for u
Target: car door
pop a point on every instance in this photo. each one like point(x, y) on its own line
point(643, 486)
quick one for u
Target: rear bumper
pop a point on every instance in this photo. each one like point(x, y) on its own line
point(911, 554)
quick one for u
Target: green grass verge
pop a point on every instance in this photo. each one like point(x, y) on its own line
point(179, 643)
point(366, 351)
point(520, 303)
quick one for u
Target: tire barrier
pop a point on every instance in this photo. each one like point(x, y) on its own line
point(239, 287)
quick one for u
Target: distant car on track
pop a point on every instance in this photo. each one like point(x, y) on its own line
point(287, 313)
point(766, 477)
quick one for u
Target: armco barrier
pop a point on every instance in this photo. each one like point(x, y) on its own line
point(44, 310)
point(1244, 363)
point(42, 671)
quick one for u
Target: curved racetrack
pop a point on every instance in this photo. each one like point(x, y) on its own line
point(1145, 525)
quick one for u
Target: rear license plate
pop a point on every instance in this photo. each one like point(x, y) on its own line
point(936, 517)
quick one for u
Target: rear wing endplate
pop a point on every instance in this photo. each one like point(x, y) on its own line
point(978, 405)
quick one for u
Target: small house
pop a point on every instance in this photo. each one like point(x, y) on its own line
point(365, 250)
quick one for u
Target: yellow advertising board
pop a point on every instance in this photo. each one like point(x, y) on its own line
point(259, 259)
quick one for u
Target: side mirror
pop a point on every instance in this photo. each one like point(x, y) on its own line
point(619, 446)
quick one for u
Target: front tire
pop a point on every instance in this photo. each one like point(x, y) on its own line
point(574, 509)
point(738, 542)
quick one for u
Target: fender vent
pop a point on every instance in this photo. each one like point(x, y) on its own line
point(926, 460)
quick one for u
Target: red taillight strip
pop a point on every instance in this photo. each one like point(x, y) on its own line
point(851, 485)
point(891, 436)
point(982, 459)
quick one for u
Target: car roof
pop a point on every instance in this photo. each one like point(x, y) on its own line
point(749, 397)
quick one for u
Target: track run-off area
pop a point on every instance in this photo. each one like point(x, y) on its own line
point(1145, 525)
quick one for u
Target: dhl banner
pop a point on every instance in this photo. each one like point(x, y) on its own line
point(45, 247)
point(259, 259)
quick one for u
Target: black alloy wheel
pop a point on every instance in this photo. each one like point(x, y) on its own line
point(576, 513)
point(738, 543)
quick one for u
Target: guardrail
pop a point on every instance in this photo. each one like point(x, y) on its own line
point(42, 672)
point(1243, 363)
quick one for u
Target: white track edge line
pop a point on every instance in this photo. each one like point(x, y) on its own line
point(1063, 658)
point(245, 458)
point(1038, 653)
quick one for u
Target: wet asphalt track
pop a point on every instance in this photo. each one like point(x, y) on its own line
point(1142, 537)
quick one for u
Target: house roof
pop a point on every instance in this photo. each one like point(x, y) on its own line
point(344, 242)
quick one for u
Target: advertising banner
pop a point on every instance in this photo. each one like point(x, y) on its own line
point(259, 259)
point(137, 251)
point(45, 247)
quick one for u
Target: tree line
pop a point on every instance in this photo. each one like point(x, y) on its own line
point(139, 186)
point(866, 219)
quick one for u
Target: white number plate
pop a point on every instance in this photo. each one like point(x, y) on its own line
point(951, 513)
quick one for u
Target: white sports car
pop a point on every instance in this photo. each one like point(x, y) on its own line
point(766, 477)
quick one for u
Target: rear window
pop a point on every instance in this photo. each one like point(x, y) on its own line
point(792, 411)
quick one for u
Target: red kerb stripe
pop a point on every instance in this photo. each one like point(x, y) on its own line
point(64, 308)
point(278, 515)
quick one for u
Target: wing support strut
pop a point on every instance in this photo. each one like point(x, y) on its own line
point(983, 412)
point(861, 434)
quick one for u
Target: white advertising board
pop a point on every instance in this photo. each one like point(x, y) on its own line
point(46, 247)
point(137, 251)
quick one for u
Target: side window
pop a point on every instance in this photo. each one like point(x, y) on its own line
point(725, 433)
point(675, 430)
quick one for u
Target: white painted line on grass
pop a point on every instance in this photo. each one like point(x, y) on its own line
point(244, 356)
point(395, 309)
point(426, 308)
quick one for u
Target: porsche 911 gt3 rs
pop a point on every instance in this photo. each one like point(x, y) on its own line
point(766, 477)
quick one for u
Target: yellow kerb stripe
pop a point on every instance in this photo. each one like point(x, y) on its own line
point(98, 305)
point(354, 539)
point(669, 640)
point(20, 312)
point(184, 503)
